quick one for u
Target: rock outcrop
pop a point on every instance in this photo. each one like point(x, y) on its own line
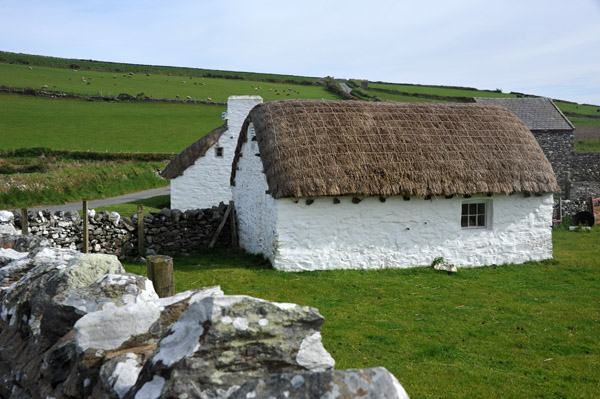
point(76, 325)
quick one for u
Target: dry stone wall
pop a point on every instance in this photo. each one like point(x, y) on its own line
point(76, 325)
point(167, 231)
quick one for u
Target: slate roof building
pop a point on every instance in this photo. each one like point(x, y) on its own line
point(550, 127)
point(348, 184)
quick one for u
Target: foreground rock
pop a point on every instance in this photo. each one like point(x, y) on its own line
point(373, 383)
point(77, 325)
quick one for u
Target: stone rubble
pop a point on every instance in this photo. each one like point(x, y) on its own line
point(76, 325)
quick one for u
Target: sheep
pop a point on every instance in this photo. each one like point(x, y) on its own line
point(44, 86)
point(208, 99)
point(188, 98)
point(30, 68)
point(114, 76)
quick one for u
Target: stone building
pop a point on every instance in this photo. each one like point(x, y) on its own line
point(356, 185)
point(200, 174)
point(550, 127)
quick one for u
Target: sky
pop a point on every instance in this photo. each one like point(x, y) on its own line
point(543, 47)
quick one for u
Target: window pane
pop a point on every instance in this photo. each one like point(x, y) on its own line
point(481, 220)
point(472, 221)
point(481, 209)
point(472, 209)
point(464, 221)
point(465, 209)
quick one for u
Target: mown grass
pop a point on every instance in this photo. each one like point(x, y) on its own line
point(93, 83)
point(518, 331)
point(38, 60)
point(27, 121)
point(65, 181)
point(587, 145)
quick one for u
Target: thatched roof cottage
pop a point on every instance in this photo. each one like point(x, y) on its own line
point(347, 184)
point(200, 174)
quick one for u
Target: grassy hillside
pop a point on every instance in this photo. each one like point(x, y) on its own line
point(27, 59)
point(93, 83)
point(439, 90)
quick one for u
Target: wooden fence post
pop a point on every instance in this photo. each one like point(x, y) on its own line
point(140, 229)
point(160, 272)
point(86, 240)
point(24, 221)
point(218, 232)
point(233, 224)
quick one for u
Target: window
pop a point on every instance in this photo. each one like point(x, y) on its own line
point(219, 151)
point(474, 215)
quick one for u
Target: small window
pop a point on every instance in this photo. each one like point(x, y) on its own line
point(219, 151)
point(473, 215)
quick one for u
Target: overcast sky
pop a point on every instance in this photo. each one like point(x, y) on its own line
point(544, 47)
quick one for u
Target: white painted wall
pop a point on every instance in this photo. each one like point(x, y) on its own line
point(398, 233)
point(254, 208)
point(206, 182)
point(295, 236)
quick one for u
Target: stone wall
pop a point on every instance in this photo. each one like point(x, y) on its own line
point(167, 231)
point(587, 133)
point(558, 148)
point(76, 325)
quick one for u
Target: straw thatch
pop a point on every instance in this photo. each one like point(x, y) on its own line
point(187, 157)
point(324, 148)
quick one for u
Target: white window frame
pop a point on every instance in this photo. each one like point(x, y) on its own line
point(476, 213)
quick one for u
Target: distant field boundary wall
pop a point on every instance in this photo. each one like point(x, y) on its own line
point(120, 97)
point(84, 155)
point(422, 95)
point(587, 133)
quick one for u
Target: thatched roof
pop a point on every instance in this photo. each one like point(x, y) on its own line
point(538, 113)
point(325, 148)
point(187, 157)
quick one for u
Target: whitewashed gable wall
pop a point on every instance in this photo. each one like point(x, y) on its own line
point(206, 182)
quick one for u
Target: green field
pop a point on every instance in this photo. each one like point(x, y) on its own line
point(514, 331)
point(27, 59)
point(97, 83)
point(591, 110)
point(587, 145)
point(27, 121)
point(438, 90)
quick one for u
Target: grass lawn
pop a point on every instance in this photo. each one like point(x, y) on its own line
point(27, 121)
point(515, 331)
point(93, 83)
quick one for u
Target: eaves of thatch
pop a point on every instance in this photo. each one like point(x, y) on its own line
point(187, 157)
point(325, 148)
